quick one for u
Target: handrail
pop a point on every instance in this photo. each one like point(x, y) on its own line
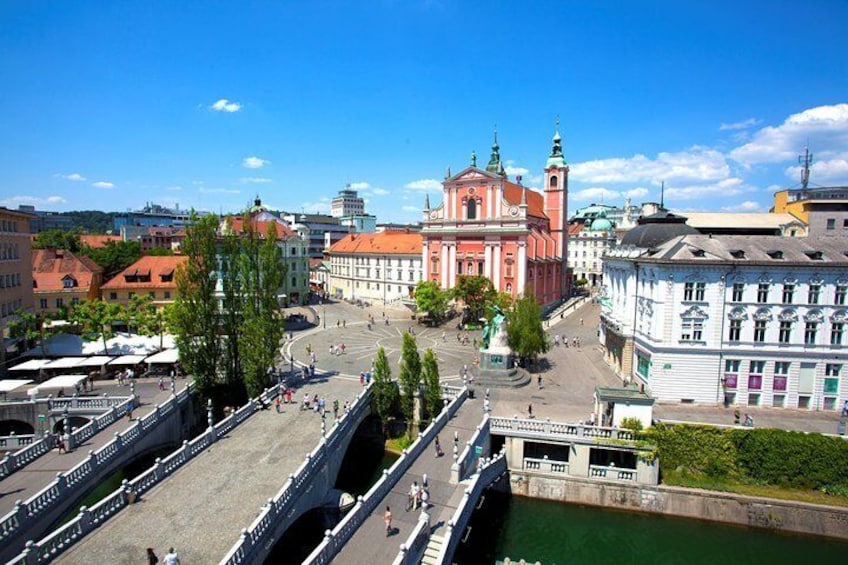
point(415, 544)
point(335, 539)
point(48, 497)
point(459, 470)
point(257, 536)
point(539, 428)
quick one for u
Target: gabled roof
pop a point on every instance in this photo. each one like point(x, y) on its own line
point(156, 266)
point(237, 225)
point(51, 266)
point(383, 243)
point(535, 201)
point(98, 240)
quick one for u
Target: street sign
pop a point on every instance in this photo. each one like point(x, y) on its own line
point(478, 450)
point(42, 418)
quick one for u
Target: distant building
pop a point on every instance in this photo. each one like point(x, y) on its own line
point(347, 203)
point(746, 223)
point(395, 226)
point(15, 267)
point(150, 275)
point(45, 221)
point(98, 240)
point(824, 210)
point(62, 280)
point(319, 276)
point(588, 241)
point(152, 215)
point(380, 267)
point(364, 223)
point(487, 225)
point(319, 230)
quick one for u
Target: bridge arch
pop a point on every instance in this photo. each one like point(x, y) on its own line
point(17, 427)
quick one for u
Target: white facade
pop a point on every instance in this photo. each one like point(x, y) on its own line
point(586, 249)
point(347, 203)
point(753, 320)
point(374, 278)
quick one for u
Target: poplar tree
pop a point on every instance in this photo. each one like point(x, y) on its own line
point(385, 390)
point(432, 387)
point(409, 377)
point(231, 303)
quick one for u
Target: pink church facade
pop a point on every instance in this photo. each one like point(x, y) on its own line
point(487, 225)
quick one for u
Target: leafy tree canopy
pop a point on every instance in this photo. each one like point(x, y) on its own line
point(430, 298)
point(474, 291)
point(525, 334)
point(114, 257)
point(58, 239)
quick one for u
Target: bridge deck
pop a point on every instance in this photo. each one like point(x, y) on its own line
point(370, 544)
point(29, 480)
point(202, 508)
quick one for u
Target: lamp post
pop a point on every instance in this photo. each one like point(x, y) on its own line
point(323, 315)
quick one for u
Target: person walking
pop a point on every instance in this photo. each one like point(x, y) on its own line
point(438, 447)
point(152, 559)
point(530, 411)
point(171, 558)
point(539, 381)
point(336, 409)
point(387, 519)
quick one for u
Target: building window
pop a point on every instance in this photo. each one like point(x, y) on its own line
point(60, 302)
point(434, 266)
point(643, 365)
point(68, 282)
point(810, 331)
point(788, 293)
point(813, 294)
point(831, 378)
point(731, 373)
point(688, 291)
point(759, 331)
point(755, 375)
point(74, 301)
point(836, 330)
point(472, 209)
point(785, 332)
point(735, 330)
point(294, 281)
point(113, 296)
point(42, 303)
point(508, 269)
point(167, 294)
point(554, 181)
point(839, 294)
point(692, 329)
point(738, 291)
point(762, 293)
point(831, 224)
point(781, 375)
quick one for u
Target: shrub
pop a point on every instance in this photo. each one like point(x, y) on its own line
point(634, 424)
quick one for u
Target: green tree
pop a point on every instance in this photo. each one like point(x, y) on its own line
point(385, 390)
point(409, 377)
point(525, 334)
point(195, 312)
point(58, 239)
point(147, 319)
point(432, 388)
point(474, 291)
point(232, 303)
point(96, 317)
point(160, 252)
point(430, 298)
point(31, 329)
point(114, 257)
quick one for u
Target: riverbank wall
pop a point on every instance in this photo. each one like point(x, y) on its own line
point(730, 508)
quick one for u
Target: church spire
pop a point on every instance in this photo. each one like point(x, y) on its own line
point(556, 158)
point(426, 202)
point(494, 165)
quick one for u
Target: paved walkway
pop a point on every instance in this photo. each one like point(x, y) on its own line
point(202, 508)
point(26, 482)
point(370, 544)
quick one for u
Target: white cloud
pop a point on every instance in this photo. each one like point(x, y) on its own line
point(411, 208)
point(596, 194)
point(515, 171)
point(103, 184)
point(832, 171)
point(696, 164)
point(744, 124)
point(218, 190)
point(380, 192)
point(726, 187)
point(254, 162)
point(76, 177)
point(36, 201)
point(362, 185)
point(639, 192)
point(224, 105)
point(746, 206)
point(254, 180)
point(320, 207)
point(431, 185)
point(823, 126)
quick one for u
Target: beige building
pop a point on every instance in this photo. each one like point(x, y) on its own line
point(62, 279)
point(15, 264)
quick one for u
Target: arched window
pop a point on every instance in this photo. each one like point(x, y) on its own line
point(509, 287)
point(472, 209)
point(554, 181)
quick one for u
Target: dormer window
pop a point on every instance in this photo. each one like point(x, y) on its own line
point(775, 254)
point(814, 255)
point(68, 282)
point(737, 253)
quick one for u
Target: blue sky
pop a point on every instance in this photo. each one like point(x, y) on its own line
point(108, 105)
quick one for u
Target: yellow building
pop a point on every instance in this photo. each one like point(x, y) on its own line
point(61, 280)
point(824, 209)
point(150, 275)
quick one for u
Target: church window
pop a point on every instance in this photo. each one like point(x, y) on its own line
point(480, 268)
point(554, 181)
point(472, 209)
point(434, 266)
point(508, 269)
point(469, 268)
point(509, 287)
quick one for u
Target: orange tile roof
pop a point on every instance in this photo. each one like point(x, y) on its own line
point(154, 266)
point(51, 266)
point(98, 240)
point(535, 201)
point(575, 228)
point(384, 243)
point(237, 225)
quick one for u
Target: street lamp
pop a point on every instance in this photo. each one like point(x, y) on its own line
point(324, 315)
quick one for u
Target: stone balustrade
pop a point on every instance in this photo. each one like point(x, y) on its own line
point(88, 519)
point(412, 549)
point(479, 482)
point(15, 442)
point(113, 408)
point(336, 538)
point(545, 466)
point(282, 506)
point(465, 461)
point(557, 430)
point(612, 473)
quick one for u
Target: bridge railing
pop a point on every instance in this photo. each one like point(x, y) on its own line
point(257, 536)
point(480, 481)
point(465, 461)
point(546, 428)
point(412, 549)
point(335, 539)
point(115, 408)
point(50, 496)
point(451, 392)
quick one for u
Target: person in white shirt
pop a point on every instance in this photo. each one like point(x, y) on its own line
point(171, 558)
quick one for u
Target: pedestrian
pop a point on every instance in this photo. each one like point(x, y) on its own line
point(338, 323)
point(443, 336)
point(539, 380)
point(574, 341)
point(171, 558)
point(336, 409)
point(424, 482)
point(581, 321)
point(60, 443)
point(455, 438)
point(161, 383)
point(362, 378)
point(438, 446)
point(412, 498)
point(530, 411)
point(343, 347)
point(344, 323)
point(387, 519)
point(278, 405)
point(152, 559)
point(425, 499)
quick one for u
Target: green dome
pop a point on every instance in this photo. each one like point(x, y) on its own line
point(600, 224)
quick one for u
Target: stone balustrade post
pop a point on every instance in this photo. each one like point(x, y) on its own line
point(403, 550)
point(85, 520)
point(26, 553)
point(119, 442)
point(173, 385)
point(186, 449)
point(328, 538)
point(66, 428)
point(209, 418)
point(61, 482)
point(20, 512)
point(157, 469)
point(92, 459)
point(547, 425)
point(246, 543)
point(7, 464)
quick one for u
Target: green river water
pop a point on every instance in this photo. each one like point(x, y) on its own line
point(556, 534)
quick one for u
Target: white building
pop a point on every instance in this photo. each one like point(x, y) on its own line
point(746, 320)
point(347, 203)
point(376, 267)
point(588, 241)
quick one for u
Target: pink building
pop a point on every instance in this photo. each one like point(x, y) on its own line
point(487, 225)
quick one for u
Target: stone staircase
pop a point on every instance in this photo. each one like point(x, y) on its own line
point(433, 551)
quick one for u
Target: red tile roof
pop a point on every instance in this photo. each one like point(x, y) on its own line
point(575, 228)
point(535, 201)
point(237, 225)
point(151, 268)
point(384, 243)
point(51, 266)
point(98, 240)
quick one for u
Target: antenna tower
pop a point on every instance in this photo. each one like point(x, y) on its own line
point(806, 160)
